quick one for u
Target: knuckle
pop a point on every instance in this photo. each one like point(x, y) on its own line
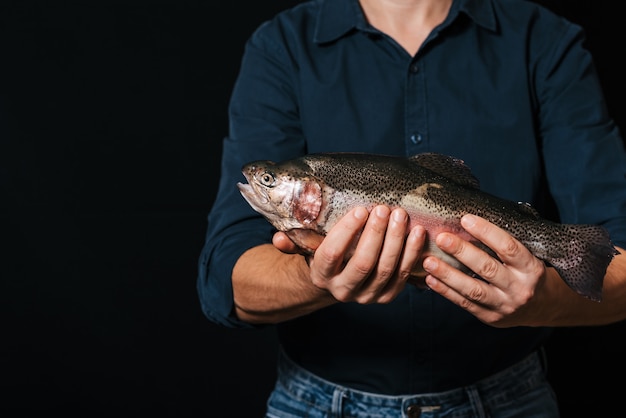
point(396, 232)
point(538, 267)
point(488, 269)
point(466, 304)
point(329, 256)
point(506, 311)
point(495, 319)
point(361, 268)
point(525, 295)
point(385, 298)
point(318, 282)
point(403, 275)
point(459, 248)
point(384, 273)
point(365, 299)
point(510, 248)
point(343, 295)
point(377, 226)
point(475, 294)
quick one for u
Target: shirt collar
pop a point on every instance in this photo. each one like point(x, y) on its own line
point(480, 11)
point(338, 17)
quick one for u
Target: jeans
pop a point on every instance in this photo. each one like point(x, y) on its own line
point(519, 391)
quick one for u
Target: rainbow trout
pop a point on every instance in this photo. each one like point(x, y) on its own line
point(310, 194)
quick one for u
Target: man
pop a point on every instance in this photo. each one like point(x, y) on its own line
point(504, 85)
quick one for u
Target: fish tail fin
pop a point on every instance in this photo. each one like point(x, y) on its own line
point(582, 263)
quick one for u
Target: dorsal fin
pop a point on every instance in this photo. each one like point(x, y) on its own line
point(450, 167)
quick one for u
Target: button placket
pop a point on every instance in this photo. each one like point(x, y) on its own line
point(415, 109)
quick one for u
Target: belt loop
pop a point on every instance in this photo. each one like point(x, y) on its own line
point(476, 401)
point(337, 407)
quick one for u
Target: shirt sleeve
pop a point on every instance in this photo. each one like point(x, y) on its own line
point(583, 150)
point(263, 124)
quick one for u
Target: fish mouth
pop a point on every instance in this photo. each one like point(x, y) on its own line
point(251, 196)
point(262, 204)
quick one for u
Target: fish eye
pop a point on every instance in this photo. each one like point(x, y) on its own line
point(267, 179)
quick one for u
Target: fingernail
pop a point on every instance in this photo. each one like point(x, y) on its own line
point(468, 221)
point(444, 241)
point(417, 232)
point(430, 282)
point(382, 211)
point(430, 264)
point(399, 216)
point(360, 213)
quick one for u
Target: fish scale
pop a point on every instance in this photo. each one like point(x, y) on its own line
point(311, 193)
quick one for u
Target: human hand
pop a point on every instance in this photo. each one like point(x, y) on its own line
point(309, 238)
point(377, 268)
point(509, 294)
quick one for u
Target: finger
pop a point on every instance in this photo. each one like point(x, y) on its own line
point(516, 272)
point(509, 250)
point(329, 256)
point(366, 255)
point(390, 254)
point(456, 286)
point(393, 244)
point(283, 243)
point(302, 241)
point(477, 260)
point(411, 254)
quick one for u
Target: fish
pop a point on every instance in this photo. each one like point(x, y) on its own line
point(306, 196)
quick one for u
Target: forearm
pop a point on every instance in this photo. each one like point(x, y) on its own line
point(270, 287)
point(570, 309)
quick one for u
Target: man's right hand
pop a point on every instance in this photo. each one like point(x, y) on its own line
point(367, 257)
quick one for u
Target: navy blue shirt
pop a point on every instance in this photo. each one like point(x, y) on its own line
point(505, 85)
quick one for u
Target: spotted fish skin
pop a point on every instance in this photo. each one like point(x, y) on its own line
point(311, 193)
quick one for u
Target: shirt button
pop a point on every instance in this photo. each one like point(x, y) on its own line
point(413, 411)
point(414, 68)
point(416, 138)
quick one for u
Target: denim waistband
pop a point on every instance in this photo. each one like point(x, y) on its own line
point(495, 389)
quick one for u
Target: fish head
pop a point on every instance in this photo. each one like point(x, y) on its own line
point(288, 197)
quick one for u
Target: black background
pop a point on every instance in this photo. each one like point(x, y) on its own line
point(111, 121)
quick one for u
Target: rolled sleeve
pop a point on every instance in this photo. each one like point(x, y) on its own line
point(216, 264)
